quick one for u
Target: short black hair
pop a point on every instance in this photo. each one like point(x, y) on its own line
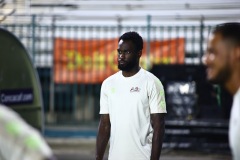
point(135, 38)
point(229, 31)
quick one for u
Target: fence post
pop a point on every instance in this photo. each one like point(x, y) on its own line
point(75, 85)
point(51, 116)
point(148, 41)
point(119, 21)
point(201, 38)
point(33, 37)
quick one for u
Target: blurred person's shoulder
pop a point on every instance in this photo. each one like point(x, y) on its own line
point(17, 134)
point(8, 114)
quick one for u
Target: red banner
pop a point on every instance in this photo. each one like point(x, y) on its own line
point(92, 61)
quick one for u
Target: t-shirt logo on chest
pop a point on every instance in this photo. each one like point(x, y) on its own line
point(135, 89)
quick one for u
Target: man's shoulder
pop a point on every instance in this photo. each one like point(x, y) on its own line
point(151, 79)
point(149, 76)
point(112, 77)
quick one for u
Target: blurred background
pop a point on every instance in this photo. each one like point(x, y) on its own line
point(73, 43)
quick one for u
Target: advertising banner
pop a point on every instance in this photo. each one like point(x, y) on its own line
point(93, 60)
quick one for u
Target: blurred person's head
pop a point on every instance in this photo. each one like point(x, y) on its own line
point(222, 57)
point(130, 46)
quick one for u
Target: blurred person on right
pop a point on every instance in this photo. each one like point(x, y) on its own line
point(222, 60)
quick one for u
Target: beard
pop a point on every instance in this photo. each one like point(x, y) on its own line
point(127, 66)
point(223, 76)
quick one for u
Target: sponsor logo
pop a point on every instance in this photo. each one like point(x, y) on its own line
point(16, 96)
point(135, 89)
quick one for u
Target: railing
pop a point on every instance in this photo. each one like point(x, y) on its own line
point(67, 58)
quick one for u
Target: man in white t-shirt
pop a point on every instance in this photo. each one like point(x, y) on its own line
point(132, 107)
point(19, 141)
point(223, 67)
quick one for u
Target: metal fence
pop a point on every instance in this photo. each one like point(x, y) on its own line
point(68, 102)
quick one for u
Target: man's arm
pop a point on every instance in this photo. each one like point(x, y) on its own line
point(102, 136)
point(158, 124)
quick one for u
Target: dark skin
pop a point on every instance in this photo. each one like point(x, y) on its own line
point(131, 57)
point(157, 119)
point(158, 125)
point(103, 136)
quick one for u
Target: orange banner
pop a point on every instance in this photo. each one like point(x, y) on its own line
point(92, 61)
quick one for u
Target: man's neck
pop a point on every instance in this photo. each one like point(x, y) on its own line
point(131, 72)
point(233, 84)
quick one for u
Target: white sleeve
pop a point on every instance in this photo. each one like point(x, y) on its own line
point(104, 99)
point(18, 140)
point(157, 97)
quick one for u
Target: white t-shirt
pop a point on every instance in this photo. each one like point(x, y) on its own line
point(18, 140)
point(129, 101)
point(234, 128)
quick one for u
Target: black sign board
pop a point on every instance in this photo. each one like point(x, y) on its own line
point(16, 96)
